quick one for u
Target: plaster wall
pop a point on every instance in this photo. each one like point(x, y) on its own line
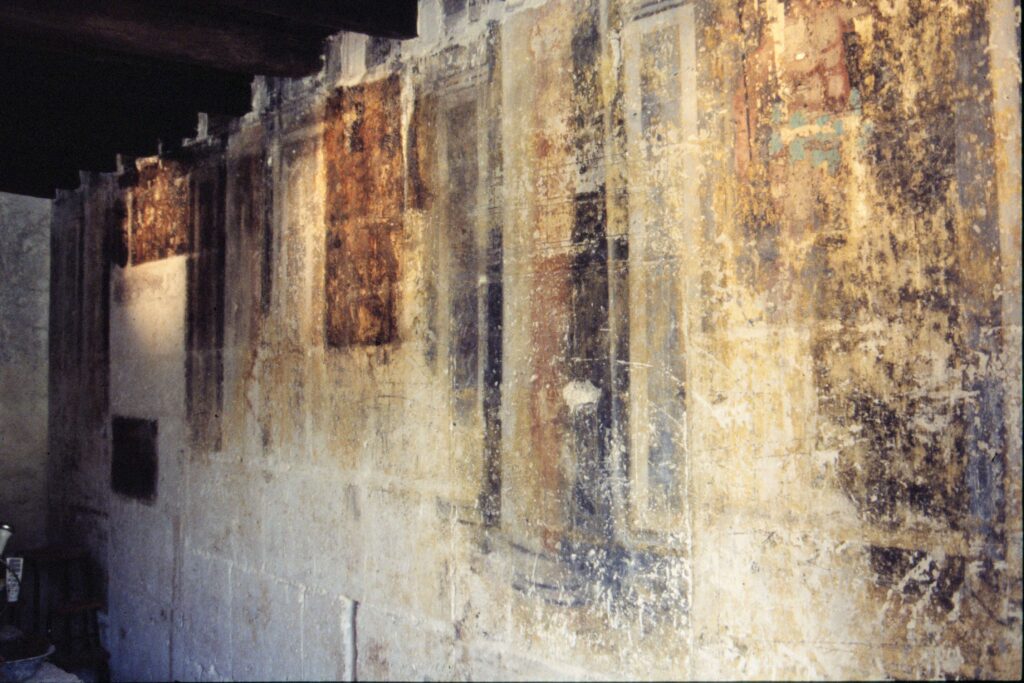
point(24, 308)
point(571, 340)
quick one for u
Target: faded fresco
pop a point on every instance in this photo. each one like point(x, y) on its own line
point(585, 339)
point(362, 145)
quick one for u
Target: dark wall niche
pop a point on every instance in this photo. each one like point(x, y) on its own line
point(133, 465)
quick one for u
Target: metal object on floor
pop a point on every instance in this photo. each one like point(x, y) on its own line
point(10, 576)
point(71, 608)
point(23, 668)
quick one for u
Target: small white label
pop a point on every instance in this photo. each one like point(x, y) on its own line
point(14, 568)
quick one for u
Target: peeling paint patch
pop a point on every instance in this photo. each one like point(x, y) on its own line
point(159, 211)
point(363, 156)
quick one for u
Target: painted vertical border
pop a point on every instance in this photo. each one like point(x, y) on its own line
point(681, 250)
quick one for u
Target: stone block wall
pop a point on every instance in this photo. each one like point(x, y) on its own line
point(568, 340)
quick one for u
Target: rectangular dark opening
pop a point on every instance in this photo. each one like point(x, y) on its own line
point(133, 466)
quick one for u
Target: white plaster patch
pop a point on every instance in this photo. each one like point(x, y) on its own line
point(580, 394)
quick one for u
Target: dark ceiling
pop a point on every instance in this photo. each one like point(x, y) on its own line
point(84, 80)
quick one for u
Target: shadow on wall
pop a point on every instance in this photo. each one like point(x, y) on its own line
point(24, 311)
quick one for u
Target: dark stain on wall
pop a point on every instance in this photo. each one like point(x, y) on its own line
point(422, 156)
point(853, 55)
point(160, 205)
point(204, 336)
point(981, 314)
point(117, 238)
point(755, 95)
point(589, 352)
point(422, 150)
point(494, 316)
point(363, 157)
point(114, 220)
point(452, 7)
point(378, 50)
point(587, 120)
point(913, 148)
point(253, 187)
point(63, 326)
point(461, 225)
point(904, 466)
point(589, 365)
point(919, 156)
point(90, 339)
point(267, 233)
point(927, 445)
point(914, 154)
point(898, 569)
point(495, 294)
point(82, 291)
point(618, 288)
